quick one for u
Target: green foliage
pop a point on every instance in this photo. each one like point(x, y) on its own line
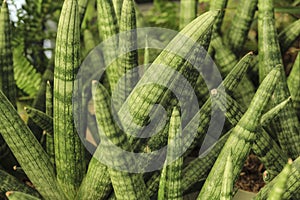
point(10, 183)
point(188, 12)
point(164, 14)
point(227, 182)
point(7, 82)
point(69, 151)
point(293, 82)
point(171, 176)
point(290, 187)
point(15, 195)
point(280, 186)
point(241, 138)
point(262, 117)
point(32, 157)
point(287, 124)
point(26, 75)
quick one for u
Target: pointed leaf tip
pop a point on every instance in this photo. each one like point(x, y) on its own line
point(9, 192)
point(214, 92)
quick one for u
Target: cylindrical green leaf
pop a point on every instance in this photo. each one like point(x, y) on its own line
point(123, 182)
point(272, 113)
point(118, 8)
point(241, 138)
point(289, 35)
point(28, 151)
point(188, 12)
point(279, 187)
point(16, 195)
point(128, 61)
point(287, 124)
point(7, 81)
point(218, 5)
point(139, 101)
point(173, 163)
point(240, 25)
point(227, 182)
point(96, 183)
point(11, 183)
point(293, 82)
point(230, 83)
point(108, 27)
point(41, 119)
point(292, 186)
point(195, 171)
point(264, 146)
point(69, 151)
point(49, 112)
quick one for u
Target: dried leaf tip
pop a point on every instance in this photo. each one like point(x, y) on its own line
point(94, 82)
point(266, 176)
point(16, 168)
point(251, 53)
point(214, 92)
point(9, 192)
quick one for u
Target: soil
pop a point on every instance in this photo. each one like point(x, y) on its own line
point(251, 178)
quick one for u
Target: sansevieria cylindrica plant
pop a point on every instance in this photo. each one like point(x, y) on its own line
point(140, 111)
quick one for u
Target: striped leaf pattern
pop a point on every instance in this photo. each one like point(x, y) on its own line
point(241, 138)
point(293, 82)
point(204, 114)
point(199, 168)
point(118, 110)
point(140, 101)
point(197, 58)
point(280, 186)
point(108, 27)
point(173, 164)
point(69, 152)
point(11, 183)
point(239, 27)
point(227, 182)
point(218, 5)
point(162, 184)
point(128, 51)
point(28, 151)
point(224, 57)
point(7, 81)
point(96, 183)
point(225, 60)
point(288, 35)
point(272, 113)
point(41, 119)
point(118, 8)
point(195, 171)
point(188, 12)
point(123, 182)
point(292, 186)
point(48, 133)
point(15, 195)
point(264, 146)
point(287, 124)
